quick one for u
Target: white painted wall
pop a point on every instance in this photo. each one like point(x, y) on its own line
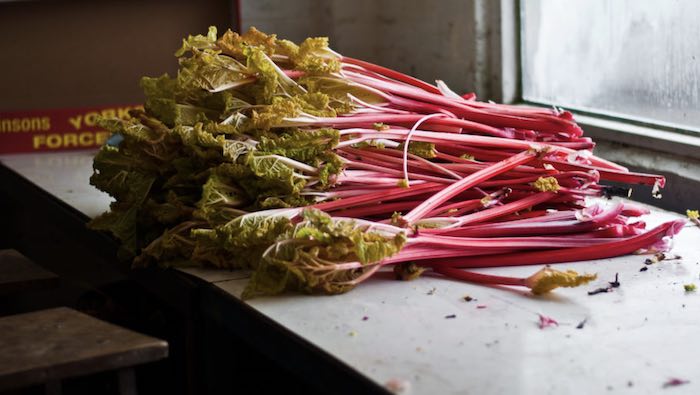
point(445, 39)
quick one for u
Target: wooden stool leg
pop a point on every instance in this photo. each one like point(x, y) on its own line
point(53, 387)
point(127, 382)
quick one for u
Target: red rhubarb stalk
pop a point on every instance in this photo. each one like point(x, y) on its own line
point(606, 250)
point(468, 182)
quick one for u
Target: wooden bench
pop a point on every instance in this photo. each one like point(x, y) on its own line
point(18, 274)
point(46, 346)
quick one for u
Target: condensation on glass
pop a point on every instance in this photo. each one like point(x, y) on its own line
point(635, 59)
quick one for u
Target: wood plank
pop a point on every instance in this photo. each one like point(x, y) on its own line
point(58, 343)
point(18, 273)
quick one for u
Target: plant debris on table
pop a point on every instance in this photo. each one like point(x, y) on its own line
point(674, 382)
point(693, 216)
point(314, 170)
point(611, 284)
point(660, 256)
point(546, 322)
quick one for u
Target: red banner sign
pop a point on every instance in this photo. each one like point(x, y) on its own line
point(57, 129)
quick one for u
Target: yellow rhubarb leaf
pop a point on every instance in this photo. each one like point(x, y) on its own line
point(546, 184)
point(547, 279)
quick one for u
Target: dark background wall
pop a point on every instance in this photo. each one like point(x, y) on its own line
point(90, 53)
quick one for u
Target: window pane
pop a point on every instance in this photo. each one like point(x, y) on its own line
point(636, 59)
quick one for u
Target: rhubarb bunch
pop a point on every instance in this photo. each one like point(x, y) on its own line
point(315, 170)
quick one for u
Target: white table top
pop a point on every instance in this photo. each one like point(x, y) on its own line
point(634, 340)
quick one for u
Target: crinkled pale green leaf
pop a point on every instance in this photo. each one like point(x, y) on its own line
point(252, 230)
point(310, 259)
point(338, 89)
point(173, 113)
point(198, 42)
point(171, 248)
point(271, 79)
point(133, 128)
point(171, 211)
point(232, 104)
point(209, 252)
point(264, 68)
point(130, 190)
point(162, 87)
point(114, 173)
point(233, 149)
point(315, 56)
point(187, 174)
point(345, 239)
point(273, 170)
point(196, 136)
point(173, 104)
point(302, 145)
point(421, 148)
point(282, 201)
point(331, 167)
point(211, 72)
point(221, 200)
point(271, 278)
point(313, 147)
point(316, 103)
point(233, 44)
point(236, 244)
point(274, 115)
point(276, 275)
point(372, 247)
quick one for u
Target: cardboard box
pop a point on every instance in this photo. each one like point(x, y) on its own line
point(67, 59)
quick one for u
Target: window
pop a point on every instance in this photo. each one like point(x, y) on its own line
point(633, 59)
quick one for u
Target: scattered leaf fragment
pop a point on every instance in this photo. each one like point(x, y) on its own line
point(548, 279)
point(547, 321)
point(690, 287)
point(694, 216)
point(352, 334)
point(450, 316)
point(674, 382)
point(467, 298)
point(365, 318)
point(407, 271)
point(644, 269)
point(660, 256)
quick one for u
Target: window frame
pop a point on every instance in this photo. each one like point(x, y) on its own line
point(507, 58)
point(641, 146)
